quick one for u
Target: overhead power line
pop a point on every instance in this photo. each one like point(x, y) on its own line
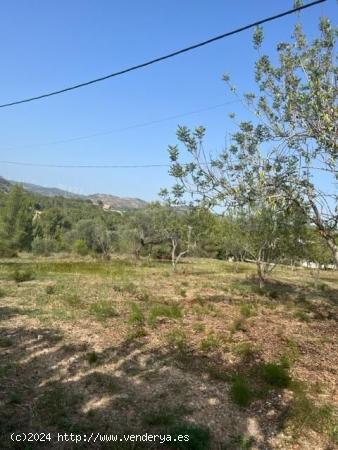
point(164, 57)
point(75, 166)
point(128, 127)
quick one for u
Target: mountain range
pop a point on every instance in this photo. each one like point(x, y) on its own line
point(106, 200)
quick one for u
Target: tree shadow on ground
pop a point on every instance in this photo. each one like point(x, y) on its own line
point(49, 384)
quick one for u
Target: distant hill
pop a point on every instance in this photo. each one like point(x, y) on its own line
point(4, 185)
point(118, 202)
point(108, 201)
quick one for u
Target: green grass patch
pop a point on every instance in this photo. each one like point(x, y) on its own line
point(178, 339)
point(211, 342)
point(247, 310)
point(162, 310)
point(72, 300)
point(103, 310)
point(241, 392)
point(244, 349)
point(305, 413)
point(275, 374)
point(136, 316)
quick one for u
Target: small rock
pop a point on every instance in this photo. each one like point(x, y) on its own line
point(271, 414)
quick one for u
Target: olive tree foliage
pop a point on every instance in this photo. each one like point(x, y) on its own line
point(273, 160)
point(161, 225)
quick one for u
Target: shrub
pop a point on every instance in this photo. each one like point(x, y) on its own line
point(23, 275)
point(50, 289)
point(80, 247)
point(276, 375)
point(43, 246)
point(240, 392)
point(238, 325)
point(92, 357)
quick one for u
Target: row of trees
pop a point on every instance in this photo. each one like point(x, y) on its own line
point(265, 236)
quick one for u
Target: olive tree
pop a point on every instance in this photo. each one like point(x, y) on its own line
point(273, 160)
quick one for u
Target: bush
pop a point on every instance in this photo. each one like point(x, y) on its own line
point(80, 247)
point(240, 392)
point(23, 275)
point(6, 251)
point(276, 375)
point(43, 246)
point(50, 289)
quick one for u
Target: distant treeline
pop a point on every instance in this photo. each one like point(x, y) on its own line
point(44, 225)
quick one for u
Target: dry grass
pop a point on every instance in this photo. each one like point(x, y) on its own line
point(133, 347)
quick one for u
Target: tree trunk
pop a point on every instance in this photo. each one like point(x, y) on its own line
point(173, 253)
point(333, 247)
point(261, 273)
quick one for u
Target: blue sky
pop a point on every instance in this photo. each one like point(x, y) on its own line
point(47, 45)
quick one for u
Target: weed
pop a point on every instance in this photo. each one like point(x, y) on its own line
point(291, 354)
point(177, 338)
point(238, 325)
point(92, 357)
point(5, 342)
point(23, 275)
point(198, 327)
point(103, 310)
point(244, 349)
point(15, 398)
point(301, 315)
point(247, 310)
point(218, 374)
point(136, 316)
point(143, 295)
point(72, 300)
point(211, 342)
point(50, 289)
point(305, 413)
point(240, 392)
point(54, 406)
point(162, 310)
point(275, 374)
point(183, 292)
point(136, 332)
point(239, 442)
point(164, 416)
point(128, 287)
point(2, 293)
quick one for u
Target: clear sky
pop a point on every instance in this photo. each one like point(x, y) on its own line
point(47, 45)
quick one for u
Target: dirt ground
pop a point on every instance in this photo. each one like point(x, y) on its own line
point(131, 347)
